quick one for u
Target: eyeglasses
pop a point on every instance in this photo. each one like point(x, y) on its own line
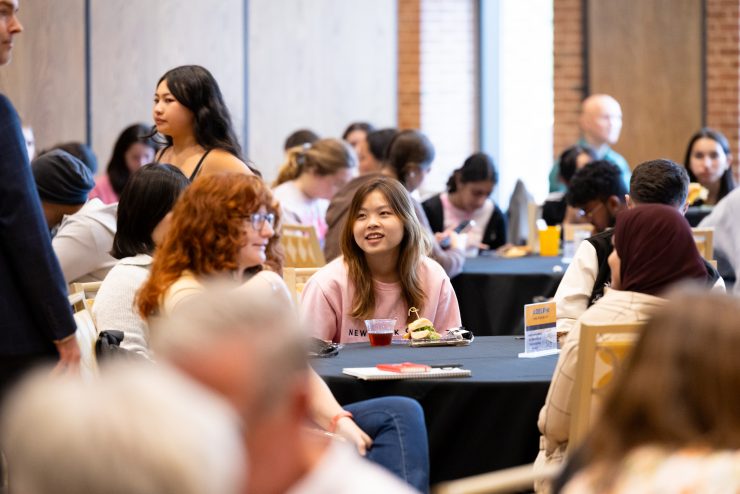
point(588, 214)
point(258, 220)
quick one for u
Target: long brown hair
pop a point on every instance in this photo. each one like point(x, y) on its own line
point(409, 148)
point(679, 387)
point(414, 246)
point(206, 233)
point(323, 157)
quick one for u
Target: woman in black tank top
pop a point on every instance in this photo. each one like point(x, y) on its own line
point(196, 170)
point(190, 113)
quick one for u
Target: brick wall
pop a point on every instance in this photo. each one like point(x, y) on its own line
point(722, 85)
point(449, 85)
point(723, 69)
point(568, 71)
point(409, 64)
point(438, 79)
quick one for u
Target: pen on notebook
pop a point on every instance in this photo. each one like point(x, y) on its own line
point(446, 366)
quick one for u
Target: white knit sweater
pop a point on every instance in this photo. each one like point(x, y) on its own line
point(114, 304)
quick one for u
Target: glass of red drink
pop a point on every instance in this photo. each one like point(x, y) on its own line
point(380, 331)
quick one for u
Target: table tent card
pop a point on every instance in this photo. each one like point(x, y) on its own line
point(540, 331)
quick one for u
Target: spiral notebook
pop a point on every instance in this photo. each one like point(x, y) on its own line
point(375, 374)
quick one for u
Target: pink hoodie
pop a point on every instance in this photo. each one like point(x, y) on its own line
point(327, 300)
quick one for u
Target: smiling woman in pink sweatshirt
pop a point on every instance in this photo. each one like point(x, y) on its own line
point(384, 270)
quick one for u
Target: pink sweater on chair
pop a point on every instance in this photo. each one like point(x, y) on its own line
point(327, 301)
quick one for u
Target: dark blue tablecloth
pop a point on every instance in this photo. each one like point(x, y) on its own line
point(492, 291)
point(475, 425)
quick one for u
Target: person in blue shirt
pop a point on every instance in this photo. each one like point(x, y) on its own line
point(601, 123)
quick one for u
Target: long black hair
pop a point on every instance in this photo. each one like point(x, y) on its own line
point(569, 160)
point(379, 143)
point(476, 168)
point(363, 126)
point(409, 147)
point(118, 171)
point(726, 182)
point(194, 87)
point(149, 195)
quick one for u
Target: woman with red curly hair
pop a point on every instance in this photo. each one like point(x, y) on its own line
point(223, 227)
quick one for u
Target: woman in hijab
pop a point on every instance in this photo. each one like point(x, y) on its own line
point(669, 423)
point(653, 249)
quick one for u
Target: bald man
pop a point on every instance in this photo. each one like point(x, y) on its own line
point(601, 123)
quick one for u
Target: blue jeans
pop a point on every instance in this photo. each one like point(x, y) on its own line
point(396, 426)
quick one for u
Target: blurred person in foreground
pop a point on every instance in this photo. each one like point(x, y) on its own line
point(136, 429)
point(653, 250)
point(248, 348)
point(223, 227)
point(669, 423)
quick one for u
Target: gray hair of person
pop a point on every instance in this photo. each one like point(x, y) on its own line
point(137, 429)
point(261, 320)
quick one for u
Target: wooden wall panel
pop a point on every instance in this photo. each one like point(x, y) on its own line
point(45, 80)
point(648, 55)
point(133, 42)
point(318, 64)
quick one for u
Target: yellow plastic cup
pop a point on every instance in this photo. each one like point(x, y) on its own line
point(550, 241)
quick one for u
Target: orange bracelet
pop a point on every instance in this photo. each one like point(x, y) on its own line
point(336, 418)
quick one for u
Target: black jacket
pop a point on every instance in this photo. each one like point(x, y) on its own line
point(34, 310)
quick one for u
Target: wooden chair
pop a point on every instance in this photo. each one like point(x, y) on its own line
point(88, 291)
point(514, 479)
point(86, 334)
point(704, 238)
point(302, 248)
point(601, 352)
point(77, 301)
point(295, 279)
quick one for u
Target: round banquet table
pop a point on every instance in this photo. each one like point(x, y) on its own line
point(475, 424)
point(492, 291)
